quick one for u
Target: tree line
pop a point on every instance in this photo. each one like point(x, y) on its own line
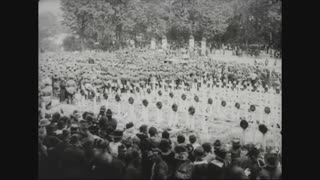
point(111, 24)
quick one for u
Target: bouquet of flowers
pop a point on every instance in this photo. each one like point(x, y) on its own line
point(252, 108)
point(175, 107)
point(223, 103)
point(159, 105)
point(267, 110)
point(210, 101)
point(237, 105)
point(244, 124)
point(131, 100)
point(196, 98)
point(184, 97)
point(145, 102)
point(191, 110)
point(117, 97)
point(263, 129)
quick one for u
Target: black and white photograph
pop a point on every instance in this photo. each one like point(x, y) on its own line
point(160, 89)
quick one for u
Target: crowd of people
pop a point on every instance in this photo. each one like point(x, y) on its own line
point(93, 145)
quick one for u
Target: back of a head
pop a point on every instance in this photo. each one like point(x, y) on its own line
point(143, 128)
point(153, 131)
point(207, 147)
point(199, 152)
point(192, 139)
point(181, 139)
point(165, 134)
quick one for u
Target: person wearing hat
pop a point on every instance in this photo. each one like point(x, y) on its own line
point(102, 112)
point(167, 155)
point(111, 122)
point(200, 168)
point(250, 162)
point(272, 170)
point(236, 148)
point(133, 161)
point(192, 140)
point(114, 145)
point(129, 131)
point(159, 168)
point(209, 156)
point(184, 166)
point(235, 171)
point(165, 135)
point(154, 138)
point(217, 145)
point(217, 167)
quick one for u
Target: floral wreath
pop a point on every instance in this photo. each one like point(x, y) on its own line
point(263, 129)
point(252, 108)
point(159, 105)
point(175, 107)
point(171, 94)
point(183, 97)
point(210, 101)
point(131, 100)
point(148, 91)
point(267, 110)
point(118, 98)
point(223, 103)
point(237, 105)
point(137, 89)
point(191, 110)
point(159, 93)
point(244, 124)
point(145, 102)
point(196, 98)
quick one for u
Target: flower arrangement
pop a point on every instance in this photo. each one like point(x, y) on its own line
point(210, 101)
point(159, 93)
point(131, 100)
point(183, 97)
point(175, 107)
point(244, 124)
point(223, 103)
point(237, 105)
point(171, 94)
point(263, 129)
point(196, 98)
point(145, 102)
point(191, 110)
point(118, 98)
point(149, 91)
point(267, 110)
point(252, 108)
point(159, 105)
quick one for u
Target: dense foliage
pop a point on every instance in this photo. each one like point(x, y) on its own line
point(112, 24)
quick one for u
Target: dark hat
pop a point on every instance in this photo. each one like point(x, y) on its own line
point(103, 108)
point(129, 125)
point(117, 134)
point(207, 147)
point(217, 144)
point(271, 160)
point(153, 131)
point(155, 141)
point(253, 152)
point(164, 145)
point(222, 152)
point(199, 152)
point(180, 148)
point(109, 112)
point(165, 134)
